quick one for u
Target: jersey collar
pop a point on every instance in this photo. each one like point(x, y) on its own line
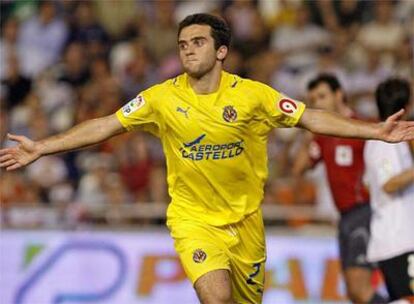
point(227, 80)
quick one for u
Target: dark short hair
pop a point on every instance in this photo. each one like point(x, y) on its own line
point(392, 95)
point(220, 31)
point(329, 79)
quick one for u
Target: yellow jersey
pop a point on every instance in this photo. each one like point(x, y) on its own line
point(215, 144)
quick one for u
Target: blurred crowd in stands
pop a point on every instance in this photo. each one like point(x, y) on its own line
point(62, 62)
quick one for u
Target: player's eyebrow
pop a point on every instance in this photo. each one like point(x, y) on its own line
point(192, 39)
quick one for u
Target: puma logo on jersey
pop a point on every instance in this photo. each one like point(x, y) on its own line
point(185, 112)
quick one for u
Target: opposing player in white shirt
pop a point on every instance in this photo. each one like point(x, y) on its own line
point(390, 174)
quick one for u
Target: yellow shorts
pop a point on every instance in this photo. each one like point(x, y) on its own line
point(238, 247)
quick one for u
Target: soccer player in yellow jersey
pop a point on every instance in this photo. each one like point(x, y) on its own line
point(213, 127)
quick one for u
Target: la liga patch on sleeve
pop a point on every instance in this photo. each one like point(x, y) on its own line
point(133, 105)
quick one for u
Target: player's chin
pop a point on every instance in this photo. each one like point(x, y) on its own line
point(194, 72)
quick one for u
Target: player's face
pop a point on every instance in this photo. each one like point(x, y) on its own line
point(322, 97)
point(196, 47)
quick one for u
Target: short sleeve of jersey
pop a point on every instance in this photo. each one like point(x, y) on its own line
point(280, 110)
point(139, 114)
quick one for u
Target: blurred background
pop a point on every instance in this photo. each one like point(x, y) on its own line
point(62, 62)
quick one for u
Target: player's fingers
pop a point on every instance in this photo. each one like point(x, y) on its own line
point(13, 167)
point(5, 157)
point(17, 138)
point(6, 151)
point(396, 116)
point(8, 163)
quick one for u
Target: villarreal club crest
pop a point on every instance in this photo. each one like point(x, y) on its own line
point(199, 256)
point(229, 114)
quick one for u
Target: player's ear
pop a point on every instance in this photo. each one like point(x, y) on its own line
point(221, 52)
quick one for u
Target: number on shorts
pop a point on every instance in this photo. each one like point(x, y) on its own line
point(255, 273)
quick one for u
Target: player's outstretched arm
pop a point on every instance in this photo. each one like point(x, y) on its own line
point(328, 123)
point(82, 135)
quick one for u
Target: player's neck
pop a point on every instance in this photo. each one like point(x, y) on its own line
point(208, 83)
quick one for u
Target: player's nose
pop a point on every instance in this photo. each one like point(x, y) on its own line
point(189, 52)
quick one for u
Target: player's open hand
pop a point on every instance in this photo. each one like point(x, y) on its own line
point(20, 155)
point(393, 130)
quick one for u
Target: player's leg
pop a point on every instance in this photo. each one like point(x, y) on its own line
point(399, 276)
point(247, 260)
point(358, 284)
point(248, 280)
point(204, 255)
point(353, 244)
point(215, 287)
